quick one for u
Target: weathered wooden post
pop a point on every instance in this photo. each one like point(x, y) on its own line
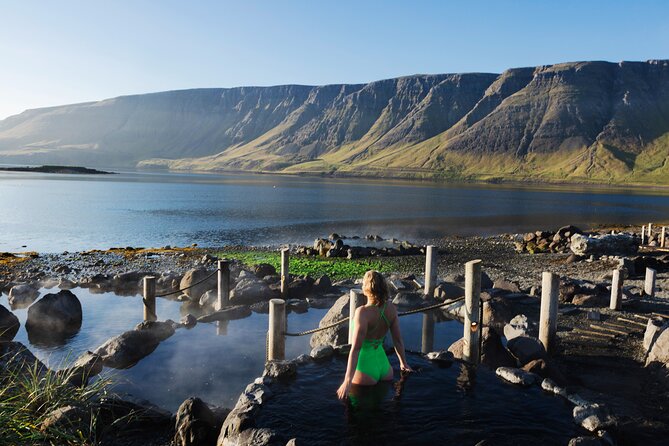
point(663, 236)
point(150, 298)
point(285, 253)
point(356, 299)
point(276, 344)
point(223, 284)
point(643, 235)
point(650, 231)
point(616, 291)
point(430, 270)
point(472, 329)
point(550, 291)
point(649, 284)
point(427, 338)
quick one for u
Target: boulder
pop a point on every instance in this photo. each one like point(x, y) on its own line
point(447, 291)
point(22, 296)
point(322, 284)
point(654, 327)
point(67, 419)
point(659, 350)
point(280, 369)
point(127, 349)
point(493, 353)
point(526, 349)
point(9, 324)
point(264, 269)
point(544, 369)
point(54, 316)
point(518, 326)
point(299, 306)
point(197, 424)
point(593, 417)
point(250, 290)
point(516, 376)
point(506, 285)
point(188, 321)
point(194, 276)
point(591, 301)
point(15, 356)
point(322, 352)
point(442, 356)
point(227, 314)
point(300, 288)
point(209, 299)
point(337, 335)
point(85, 367)
point(607, 244)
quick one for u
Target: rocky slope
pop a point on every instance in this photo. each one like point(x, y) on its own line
point(585, 121)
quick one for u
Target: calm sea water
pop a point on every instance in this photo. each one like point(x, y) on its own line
point(52, 213)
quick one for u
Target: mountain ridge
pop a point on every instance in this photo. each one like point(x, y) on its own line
point(591, 121)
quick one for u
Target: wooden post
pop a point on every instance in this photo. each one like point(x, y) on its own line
point(662, 236)
point(650, 231)
point(285, 253)
point(472, 328)
point(649, 285)
point(550, 291)
point(427, 338)
point(150, 299)
point(356, 299)
point(430, 270)
point(276, 345)
point(223, 284)
point(616, 291)
point(643, 235)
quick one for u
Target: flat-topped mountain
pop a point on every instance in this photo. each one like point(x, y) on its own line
point(584, 121)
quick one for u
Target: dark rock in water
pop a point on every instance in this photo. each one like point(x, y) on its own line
point(337, 335)
point(493, 353)
point(85, 367)
point(264, 269)
point(526, 349)
point(197, 424)
point(9, 324)
point(260, 307)
point(188, 321)
point(280, 369)
point(122, 414)
point(54, 317)
point(322, 284)
point(22, 296)
point(16, 356)
point(545, 369)
point(67, 419)
point(250, 290)
point(227, 314)
point(299, 306)
point(191, 281)
point(300, 288)
point(126, 349)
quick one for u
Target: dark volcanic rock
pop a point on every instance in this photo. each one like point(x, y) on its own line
point(9, 324)
point(54, 317)
point(126, 349)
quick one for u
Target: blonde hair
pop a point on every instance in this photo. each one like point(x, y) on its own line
point(374, 287)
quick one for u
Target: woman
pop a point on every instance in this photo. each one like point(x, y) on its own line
point(367, 361)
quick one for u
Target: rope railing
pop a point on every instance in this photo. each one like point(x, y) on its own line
point(405, 313)
point(181, 290)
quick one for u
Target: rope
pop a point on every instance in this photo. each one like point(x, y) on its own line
point(189, 287)
point(405, 313)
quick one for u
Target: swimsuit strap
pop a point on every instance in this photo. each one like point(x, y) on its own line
point(382, 316)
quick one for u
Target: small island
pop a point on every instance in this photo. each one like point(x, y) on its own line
point(57, 169)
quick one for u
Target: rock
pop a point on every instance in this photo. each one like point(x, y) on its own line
point(585, 441)
point(591, 301)
point(337, 335)
point(250, 290)
point(128, 414)
point(192, 277)
point(67, 419)
point(66, 284)
point(593, 417)
point(15, 356)
point(408, 300)
point(209, 299)
point(260, 307)
point(442, 356)
point(608, 244)
point(516, 376)
point(196, 424)
point(85, 367)
point(280, 369)
point(486, 282)
point(322, 352)
point(654, 327)
point(544, 369)
point(516, 327)
point(22, 296)
point(264, 269)
point(300, 288)
point(493, 353)
point(297, 305)
point(659, 350)
point(55, 315)
point(9, 324)
point(227, 314)
point(447, 291)
point(128, 280)
point(507, 285)
point(188, 321)
point(550, 386)
point(526, 349)
point(126, 349)
point(322, 284)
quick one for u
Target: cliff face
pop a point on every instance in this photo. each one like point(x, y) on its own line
point(586, 121)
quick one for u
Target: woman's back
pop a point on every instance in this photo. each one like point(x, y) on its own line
point(378, 319)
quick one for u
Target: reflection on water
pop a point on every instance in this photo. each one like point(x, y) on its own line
point(148, 209)
point(429, 408)
point(212, 361)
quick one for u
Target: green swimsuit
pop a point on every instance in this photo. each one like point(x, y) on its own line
point(372, 360)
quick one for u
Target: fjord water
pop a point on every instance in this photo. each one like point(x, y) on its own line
point(53, 213)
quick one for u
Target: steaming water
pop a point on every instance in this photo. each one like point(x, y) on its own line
point(212, 361)
point(435, 406)
point(53, 213)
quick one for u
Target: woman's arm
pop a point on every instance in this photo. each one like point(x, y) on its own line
point(358, 336)
point(398, 343)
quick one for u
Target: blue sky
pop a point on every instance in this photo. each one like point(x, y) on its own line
point(63, 52)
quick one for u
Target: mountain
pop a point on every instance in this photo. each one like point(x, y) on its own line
point(583, 122)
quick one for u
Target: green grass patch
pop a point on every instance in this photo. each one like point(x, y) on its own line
point(336, 269)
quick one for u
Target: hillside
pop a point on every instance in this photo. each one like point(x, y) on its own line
point(585, 121)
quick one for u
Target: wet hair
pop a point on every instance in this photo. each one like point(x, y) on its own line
point(375, 288)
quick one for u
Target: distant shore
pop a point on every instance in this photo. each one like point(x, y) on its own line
point(77, 170)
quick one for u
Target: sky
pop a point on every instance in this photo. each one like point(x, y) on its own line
point(54, 53)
